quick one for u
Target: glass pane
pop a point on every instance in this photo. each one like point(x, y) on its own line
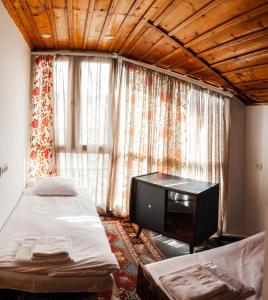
point(95, 96)
point(61, 73)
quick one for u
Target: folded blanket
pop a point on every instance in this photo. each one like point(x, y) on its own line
point(44, 251)
point(196, 283)
point(51, 247)
point(241, 291)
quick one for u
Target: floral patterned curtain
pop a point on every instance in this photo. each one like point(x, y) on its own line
point(147, 130)
point(41, 150)
point(167, 125)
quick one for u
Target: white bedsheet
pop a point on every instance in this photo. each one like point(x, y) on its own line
point(72, 216)
point(242, 260)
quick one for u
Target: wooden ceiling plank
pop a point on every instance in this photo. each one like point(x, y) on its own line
point(109, 15)
point(198, 14)
point(140, 26)
point(159, 61)
point(183, 63)
point(259, 100)
point(167, 11)
point(205, 64)
point(260, 89)
point(155, 46)
point(133, 46)
point(228, 24)
point(248, 56)
point(29, 16)
point(252, 85)
point(258, 103)
point(10, 8)
point(70, 23)
point(197, 71)
point(139, 29)
point(246, 69)
point(246, 38)
point(258, 92)
point(133, 7)
point(189, 63)
point(188, 52)
point(90, 10)
point(256, 73)
point(51, 18)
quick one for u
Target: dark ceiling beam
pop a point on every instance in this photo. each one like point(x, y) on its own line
point(243, 97)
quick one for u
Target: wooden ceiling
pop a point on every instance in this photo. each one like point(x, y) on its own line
point(221, 42)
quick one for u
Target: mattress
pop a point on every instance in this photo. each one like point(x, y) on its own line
point(243, 260)
point(72, 216)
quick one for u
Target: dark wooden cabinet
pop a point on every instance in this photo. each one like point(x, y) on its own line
point(181, 208)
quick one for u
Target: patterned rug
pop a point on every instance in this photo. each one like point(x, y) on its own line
point(129, 251)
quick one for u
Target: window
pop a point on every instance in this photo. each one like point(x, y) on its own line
point(83, 121)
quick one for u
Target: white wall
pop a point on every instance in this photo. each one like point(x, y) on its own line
point(256, 187)
point(235, 207)
point(265, 195)
point(265, 279)
point(14, 99)
point(248, 177)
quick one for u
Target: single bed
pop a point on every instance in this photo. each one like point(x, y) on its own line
point(72, 216)
point(242, 260)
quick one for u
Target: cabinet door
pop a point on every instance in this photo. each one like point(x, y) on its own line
point(150, 206)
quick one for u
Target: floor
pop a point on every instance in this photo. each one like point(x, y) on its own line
point(169, 247)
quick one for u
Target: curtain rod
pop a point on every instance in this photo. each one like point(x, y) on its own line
point(154, 68)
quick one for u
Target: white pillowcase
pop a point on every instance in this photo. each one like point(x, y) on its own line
point(55, 186)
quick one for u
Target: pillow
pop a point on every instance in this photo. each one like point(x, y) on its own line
point(55, 186)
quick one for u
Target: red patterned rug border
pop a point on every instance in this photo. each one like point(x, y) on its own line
point(128, 243)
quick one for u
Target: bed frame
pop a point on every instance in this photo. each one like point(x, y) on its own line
point(14, 294)
point(146, 287)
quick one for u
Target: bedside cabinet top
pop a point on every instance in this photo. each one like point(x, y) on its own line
point(176, 183)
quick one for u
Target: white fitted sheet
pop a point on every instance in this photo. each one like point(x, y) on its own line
point(243, 260)
point(72, 216)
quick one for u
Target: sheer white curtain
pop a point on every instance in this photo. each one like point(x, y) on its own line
point(170, 126)
point(116, 120)
point(205, 150)
point(147, 136)
point(83, 136)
